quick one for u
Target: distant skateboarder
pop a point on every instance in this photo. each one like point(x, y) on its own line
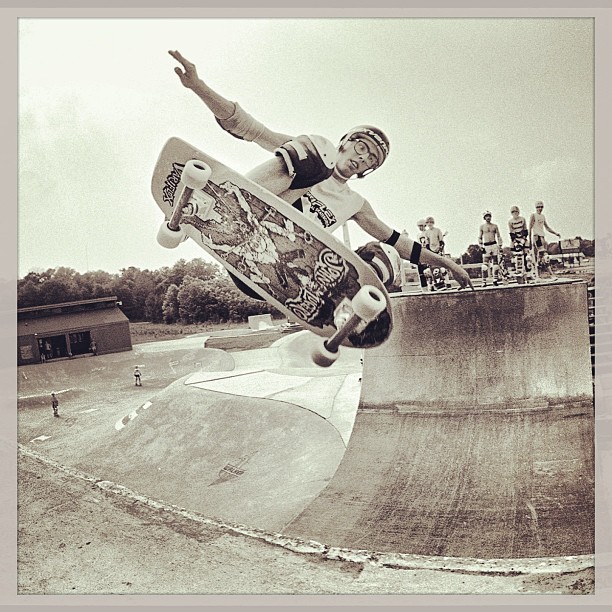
point(537, 225)
point(55, 405)
point(137, 382)
point(434, 236)
point(517, 226)
point(490, 242)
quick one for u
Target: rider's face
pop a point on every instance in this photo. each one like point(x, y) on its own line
point(355, 157)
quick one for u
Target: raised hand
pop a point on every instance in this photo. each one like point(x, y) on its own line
point(189, 75)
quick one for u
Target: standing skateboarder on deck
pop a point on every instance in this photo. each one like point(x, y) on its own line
point(312, 175)
point(517, 227)
point(537, 225)
point(490, 242)
point(435, 236)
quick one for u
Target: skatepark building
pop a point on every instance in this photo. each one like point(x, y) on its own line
point(71, 329)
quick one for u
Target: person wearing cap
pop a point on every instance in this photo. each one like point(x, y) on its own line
point(312, 174)
point(490, 243)
point(517, 227)
point(537, 227)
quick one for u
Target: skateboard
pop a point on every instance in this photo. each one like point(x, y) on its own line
point(295, 265)
point(522, 260)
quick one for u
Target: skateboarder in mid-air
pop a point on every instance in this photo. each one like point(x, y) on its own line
point(312, 174)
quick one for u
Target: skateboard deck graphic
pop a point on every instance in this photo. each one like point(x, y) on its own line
point(298, 267)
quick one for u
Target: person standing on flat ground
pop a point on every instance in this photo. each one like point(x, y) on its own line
point(55, 405)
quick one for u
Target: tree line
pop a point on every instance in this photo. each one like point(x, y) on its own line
point(188, 292)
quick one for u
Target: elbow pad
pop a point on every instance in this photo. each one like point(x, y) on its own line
point(242, 125)
point(309, 160)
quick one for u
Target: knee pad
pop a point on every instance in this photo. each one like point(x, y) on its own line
point(384, 259)
point(309, 160)
point(484, 268)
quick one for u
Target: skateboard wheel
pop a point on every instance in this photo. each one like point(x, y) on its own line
point(369, 302)
point(323, 357)
point(168, 238)
point(196, 174)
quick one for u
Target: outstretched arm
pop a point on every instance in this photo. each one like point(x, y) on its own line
point(551, 230)
point(367, 219)
point(230, 116)
point(220, 107)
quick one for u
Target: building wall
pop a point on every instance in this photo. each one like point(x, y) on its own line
point(110, 338)
point(27, 350)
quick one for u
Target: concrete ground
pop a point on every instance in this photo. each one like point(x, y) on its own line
point(83, 534)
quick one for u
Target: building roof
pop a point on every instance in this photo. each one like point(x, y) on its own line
point(75, 321)
point(103, 300)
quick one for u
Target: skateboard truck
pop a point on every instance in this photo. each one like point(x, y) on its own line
point(195, 176)
point(367, 304)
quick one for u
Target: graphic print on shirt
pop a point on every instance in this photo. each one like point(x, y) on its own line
point(317, 209)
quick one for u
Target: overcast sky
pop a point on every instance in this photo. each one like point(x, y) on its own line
point(481, 113)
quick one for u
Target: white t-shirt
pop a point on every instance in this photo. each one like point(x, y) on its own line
point(331, 203)
point(435, 238)
point(538, 224)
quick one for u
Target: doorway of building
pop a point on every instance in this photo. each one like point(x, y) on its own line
point(79, 342)
point(55, 346)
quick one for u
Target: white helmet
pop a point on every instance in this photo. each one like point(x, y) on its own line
point(486, 213)
point(376, 136)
